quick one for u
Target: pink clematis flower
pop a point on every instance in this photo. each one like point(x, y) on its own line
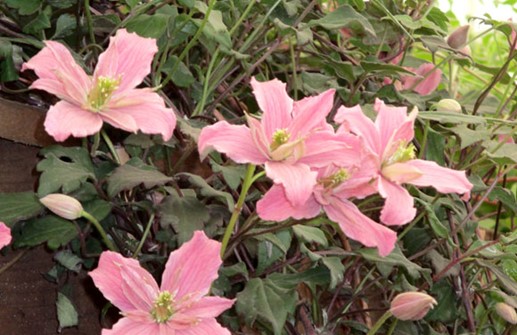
point(389, 140)
point(179, 306)
point(335, 187)
point(290, 138)
point(424, 82)
point(5, 235)
point(107, 96)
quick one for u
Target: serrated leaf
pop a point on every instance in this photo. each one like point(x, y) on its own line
point(50, 229)
point(15, 207)
point(185, 214)
point(396, 258)
point(134, 173)
point(310, 234)
point(337, 270)
point(208, 191)
point(266, 301)
point(68, 260)
point(64, 168)
point(344, 16)
point(66, 313)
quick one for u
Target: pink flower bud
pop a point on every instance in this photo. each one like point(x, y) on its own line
point(507, 312)
point(411, 305)
point(459, 37)
point(63, 205)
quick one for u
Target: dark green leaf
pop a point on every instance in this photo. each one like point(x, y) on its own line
point(503, 154)
point(507, 282)
point(66, 313)
point(233, 174)
point(396, 258)
point(182, 76)
point(62, 3)
point(337, 270)
point(208, 191)
point(50, 229)
point(39, 23)
point(344, 16)
point(24, 7)
point(68, 260)
point(310, 234)
point(145, 25)
point(15, 207)
point(134, 173)
point(448, 117)
point(8, 71)
point(65, 26)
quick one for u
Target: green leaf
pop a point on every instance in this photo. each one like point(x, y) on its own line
point(66, 313)
point(437, 226)
point(445, 310)
point(8, 71)
point(448, 117)
point(98, 208)
point(65, 26)
point(506, 281)
point(134, 173)
point(469, 136)
point(272, 248)
point(337, 270)
point(310, 234)
point(407, 21)
point(132, 3)
point(216, 30)
point(68, 260)
point(24, 7)
point(153, 26)
point(182, 76)
point(396, 258)
point(506, 196)
point(233, 174)
point(265, 301)
point(503, 154)
point(184, 213)
point(62, 3)
point(208, 191)
point(50, 229)
point(345, 16)
point(64, 168)
point(39, 23)
point(15, 207)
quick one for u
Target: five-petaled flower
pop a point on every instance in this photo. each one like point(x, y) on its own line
point(291, 137)
point(110, 95)
point(5, 235)
point(179, 306)
point(389, 142)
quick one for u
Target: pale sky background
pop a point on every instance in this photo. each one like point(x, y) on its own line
point(464, 8)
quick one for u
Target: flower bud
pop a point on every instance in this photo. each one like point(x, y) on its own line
point(507, 312)
point(63, 205)
point(411, 305)
point(448, 105)
point(5, 235)
point(458, 38)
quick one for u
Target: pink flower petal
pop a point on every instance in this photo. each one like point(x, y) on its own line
point(297, 179)
point(400, 173)
point(275, 104)
point(398, 208)
point(59, 73)
point(5, 235)
point(361, 228)
point(127, 326)
point(65, 119)
point(443, 179)
point(111, 278)
point(274, 206)
point(127, 57)
point(139, 287)
point(193, 267)
point(323, 147)
point(208, 307)
point(393, 123)
point(309, 114)
point(353, 120)
point(234, 141)
point(205, 327)
point(426, 80)
point(147, 110)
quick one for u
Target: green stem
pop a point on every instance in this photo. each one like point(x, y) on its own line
point(379, 323)
point(246, 184)
point(144, 237)
point(101, 230)
point(89, 20)
point(111, 147)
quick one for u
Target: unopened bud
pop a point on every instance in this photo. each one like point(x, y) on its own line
point(411, 305)
point(5, 235)
point(448, 105)
point(63, 205)
point(507, 312)
point(459, 37)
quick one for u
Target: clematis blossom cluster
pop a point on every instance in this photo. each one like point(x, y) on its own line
point(315, 169)
point(180, 306)
point(109, 95)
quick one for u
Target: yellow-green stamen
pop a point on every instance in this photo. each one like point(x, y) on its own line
point(335, 179)
point(101, 92)
point(163, 310)
point(280, 136)
point(403, 154)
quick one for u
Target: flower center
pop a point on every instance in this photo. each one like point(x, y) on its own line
point(163, 307)
point(335, 179)
point(280, 136)
point(101, 92)
point(404, 153)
